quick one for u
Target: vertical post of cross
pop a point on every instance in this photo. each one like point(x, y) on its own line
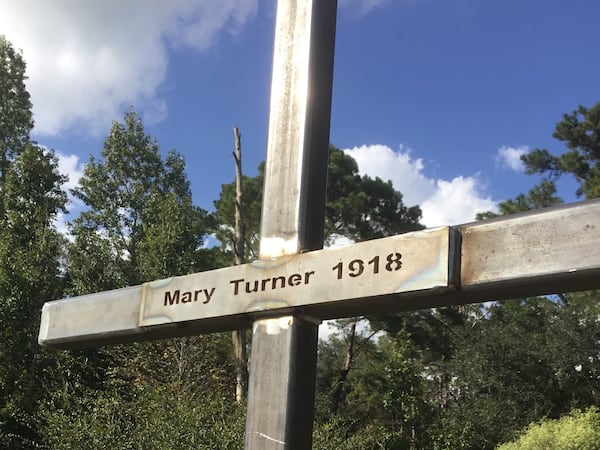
point(284, 350)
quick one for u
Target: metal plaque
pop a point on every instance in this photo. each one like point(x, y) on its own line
point(392, 265)
point(412, 262)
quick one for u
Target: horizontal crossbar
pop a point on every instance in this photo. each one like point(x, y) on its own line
point(536, 253)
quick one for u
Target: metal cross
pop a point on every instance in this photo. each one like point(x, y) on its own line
point(294, 285)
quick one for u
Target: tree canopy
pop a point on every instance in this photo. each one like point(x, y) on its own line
point(31, 253)
point(141, 223)
point(16, 118)
point(580, 132)
point(358, 207)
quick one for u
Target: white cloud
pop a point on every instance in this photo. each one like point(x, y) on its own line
point(511, 157)
point(442, 202)
point(70, 166)
point(405, 172)
point(455, 202)
point(86, 61)
point(61, 225)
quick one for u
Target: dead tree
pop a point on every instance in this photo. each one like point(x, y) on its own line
point(239, 336)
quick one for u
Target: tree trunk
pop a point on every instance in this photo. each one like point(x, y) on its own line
point(239, 336)
point(338, 393)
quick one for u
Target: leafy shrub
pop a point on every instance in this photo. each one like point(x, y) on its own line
point(576, 431)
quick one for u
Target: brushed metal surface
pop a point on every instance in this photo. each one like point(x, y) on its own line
point(546, 247)
point(281, 394)
point(298, 135)
point(408, 263)
point(293, 217)
point(542, 252)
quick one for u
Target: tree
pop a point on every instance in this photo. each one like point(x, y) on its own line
point(541, 196)
point(225, 214)
point(16, 118)
point(141, 223)
point(31, 273)
point(383, 400)
point(31, 253)
point(358, 208)
point(560, 333)
point(503, 375)
point(580, 132)
point(408, 408)
point(433, 334)
point(521, 361)
point(362, 208)
point(177, 404)
point(572, 348)
point(353, 343)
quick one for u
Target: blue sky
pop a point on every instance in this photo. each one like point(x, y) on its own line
point(440, 96)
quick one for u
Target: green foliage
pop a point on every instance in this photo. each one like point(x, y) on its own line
point(16, 118)
point(502, 383)
point(156, 416)
point(174, 229)
point(168, 394)
point(340, 434)
point(572, 344)
point(362, 208)
point(30, 274)
point(522, 361)
point(575, 431)
point(405, 400)
point(463, 377)
point(384, 400)
point(225, 216)
point(141, 223)
point(358, 208)
point(541, 196)
point(580, 132)
point(31, 253)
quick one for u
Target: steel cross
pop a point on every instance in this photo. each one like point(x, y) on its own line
point(281, 387)
point(293, 286)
